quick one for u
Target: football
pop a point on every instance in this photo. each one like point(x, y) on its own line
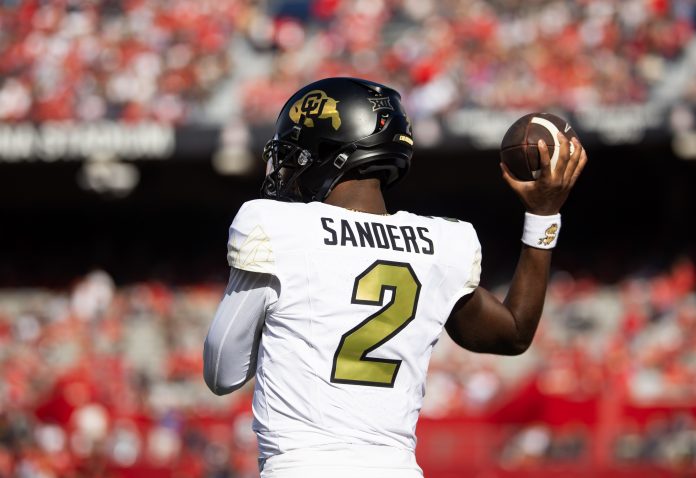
point(519, 151)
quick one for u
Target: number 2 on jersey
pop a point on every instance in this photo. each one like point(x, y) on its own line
point(351, 363)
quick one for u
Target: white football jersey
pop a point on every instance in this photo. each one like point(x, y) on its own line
point(363, 299)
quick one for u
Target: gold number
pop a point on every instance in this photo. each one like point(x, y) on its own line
point(351, 363)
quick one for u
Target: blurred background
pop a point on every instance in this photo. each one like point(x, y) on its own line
point(130, 134)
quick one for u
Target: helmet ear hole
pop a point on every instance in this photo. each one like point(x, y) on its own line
point(382, 121)
point(327, 149)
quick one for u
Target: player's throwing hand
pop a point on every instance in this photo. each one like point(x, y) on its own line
point(546, 195)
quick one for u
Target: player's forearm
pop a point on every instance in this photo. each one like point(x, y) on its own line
point(525, 298)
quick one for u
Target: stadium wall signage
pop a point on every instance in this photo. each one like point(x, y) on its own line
point(56, 141)
point(468, 129)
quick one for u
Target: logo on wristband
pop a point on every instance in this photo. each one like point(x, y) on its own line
point(550, 235)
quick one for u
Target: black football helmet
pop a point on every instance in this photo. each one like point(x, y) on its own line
point(331, 127)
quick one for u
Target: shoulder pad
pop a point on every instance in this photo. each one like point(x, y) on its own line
point(249, 247)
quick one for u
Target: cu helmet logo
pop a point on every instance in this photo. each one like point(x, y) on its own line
point(315, 105)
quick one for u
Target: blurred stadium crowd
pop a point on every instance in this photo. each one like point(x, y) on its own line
point(102, 380)
point(206, 61)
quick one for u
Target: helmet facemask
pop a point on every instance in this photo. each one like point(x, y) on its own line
point(285, 162)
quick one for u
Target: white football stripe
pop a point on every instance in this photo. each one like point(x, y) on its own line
point(556, 145)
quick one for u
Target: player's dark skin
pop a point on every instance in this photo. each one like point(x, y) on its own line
point(479, 321)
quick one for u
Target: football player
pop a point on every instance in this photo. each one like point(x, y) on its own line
point(334, 304)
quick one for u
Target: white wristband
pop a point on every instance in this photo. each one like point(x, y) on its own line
point(541, 231)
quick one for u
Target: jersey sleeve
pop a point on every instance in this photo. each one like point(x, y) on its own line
point(249, 246)
point(464, 264)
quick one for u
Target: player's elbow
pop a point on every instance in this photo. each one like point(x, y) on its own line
point(215, 375)
point(218, 386)
point(515, 344)
point(222, 389)
point(212, 386)
point(210, 378)
point(511, 347)
point(517, 347)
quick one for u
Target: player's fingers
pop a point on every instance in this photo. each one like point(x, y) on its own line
point(563, 155)
point(578, 170)
point(576, 151)
point(544, 159)
point(515, 184)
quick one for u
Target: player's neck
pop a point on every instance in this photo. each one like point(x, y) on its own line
point(358, 194)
